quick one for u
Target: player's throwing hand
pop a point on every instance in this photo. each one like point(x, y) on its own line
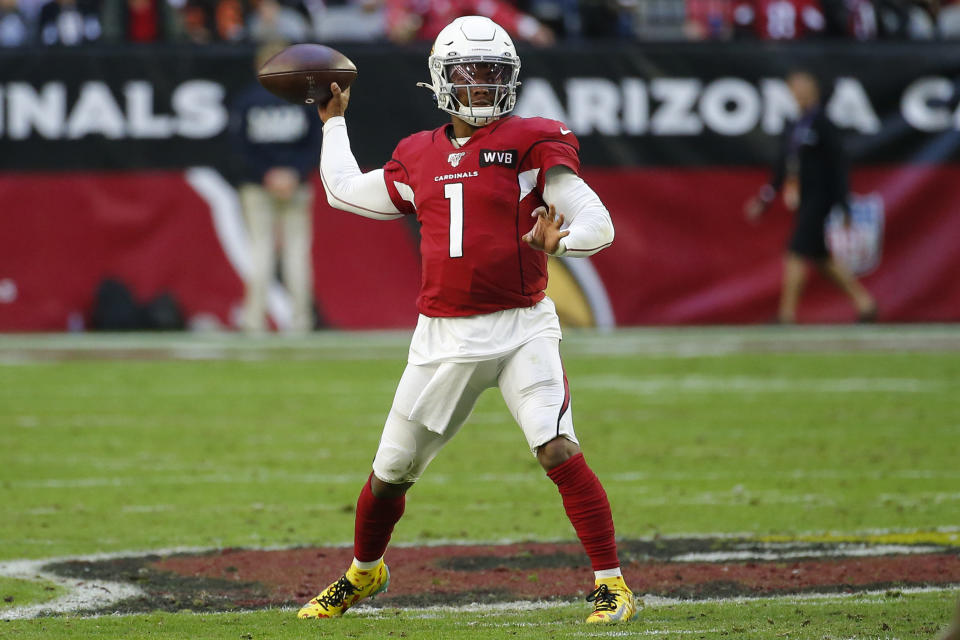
point(545, 234)
point(336, 105)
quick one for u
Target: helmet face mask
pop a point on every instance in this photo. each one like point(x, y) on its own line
point(474, 68)
point(478, 91)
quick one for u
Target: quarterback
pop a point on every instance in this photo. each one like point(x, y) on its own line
point(494, 195)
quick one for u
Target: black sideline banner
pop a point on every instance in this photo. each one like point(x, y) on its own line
point(680, 105)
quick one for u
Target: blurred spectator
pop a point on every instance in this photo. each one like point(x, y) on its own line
point(277, 145)
point(778, 19)
point(214, 20)
point(607, 18)
point(560, 16)
point(69, 22)
point(141, 21)
point(923, 19)
point(861, 19)
point(569, 19)
point(660, 19)
point(409, 20)
point(272, 21)
point(709, 19)
point(354, 20)
point(948, 21)
point(14, 26)
point(31, 10)
point(907, 19)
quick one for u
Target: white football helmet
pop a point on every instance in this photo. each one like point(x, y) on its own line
point(474, 53)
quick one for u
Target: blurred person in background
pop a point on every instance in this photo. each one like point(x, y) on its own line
point(948, 21)
point(663, 20)
point(907, 19)
point(31, 11)
point(69, 22)
point(860, 19)
point(409, 20)
point(560, 16)
point(141, 21)
point(207, 21)
point(709, 20)
point(277, 147)
point(352, 20)
point(852, 19)
point(778, 19)
point(811, 169)
point(14, 25)
point(601, 19)
point(272, 22)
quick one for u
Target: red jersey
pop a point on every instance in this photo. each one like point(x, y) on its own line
point(474, 204)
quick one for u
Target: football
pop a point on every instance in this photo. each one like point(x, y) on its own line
point(302, 73)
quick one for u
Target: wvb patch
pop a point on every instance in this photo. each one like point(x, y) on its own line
point(498, 157)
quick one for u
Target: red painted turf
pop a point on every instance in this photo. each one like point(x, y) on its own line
point(552, 570)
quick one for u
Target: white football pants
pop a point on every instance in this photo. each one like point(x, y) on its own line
point(433, 401)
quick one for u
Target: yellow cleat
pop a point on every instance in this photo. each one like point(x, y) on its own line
point(613, 602)
point(351, 588)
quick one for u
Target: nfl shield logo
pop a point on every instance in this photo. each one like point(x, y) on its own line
point(858, 245)
point(455, 158)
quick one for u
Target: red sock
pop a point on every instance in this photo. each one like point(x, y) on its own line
point(374, 523)
point(588, 509)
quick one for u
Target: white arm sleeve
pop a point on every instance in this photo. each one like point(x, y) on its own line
point(588, 221)
point(347, 187)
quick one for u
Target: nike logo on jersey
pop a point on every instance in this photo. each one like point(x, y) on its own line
point(564, 132)
point(498, 157)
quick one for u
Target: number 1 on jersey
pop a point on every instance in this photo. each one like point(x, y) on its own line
point(453, 191)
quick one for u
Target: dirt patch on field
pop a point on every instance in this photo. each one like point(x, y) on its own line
point(232, 579)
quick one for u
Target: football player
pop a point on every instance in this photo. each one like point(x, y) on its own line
point(494, 195)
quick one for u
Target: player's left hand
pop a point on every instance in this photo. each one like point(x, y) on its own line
point(545, 234)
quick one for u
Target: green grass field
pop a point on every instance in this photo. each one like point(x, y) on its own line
point(138, 443)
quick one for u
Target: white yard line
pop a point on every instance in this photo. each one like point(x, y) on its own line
point(633, 633)
point(846, 551)
point(675, 342)
point(81, 594)
point(657, 385)
point(736, 493)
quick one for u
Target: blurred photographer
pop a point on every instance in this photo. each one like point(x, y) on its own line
point(811, 170)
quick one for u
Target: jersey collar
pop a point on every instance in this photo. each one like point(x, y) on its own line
point(479, 134)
